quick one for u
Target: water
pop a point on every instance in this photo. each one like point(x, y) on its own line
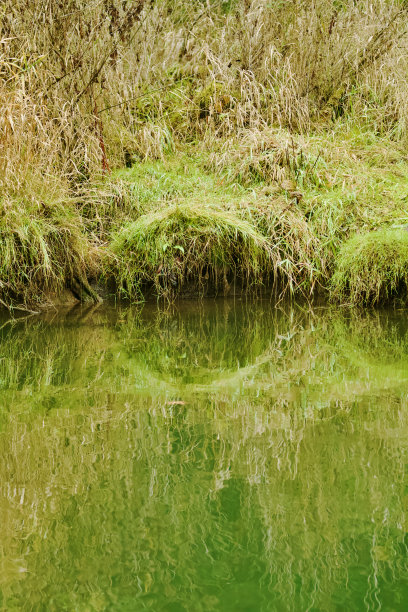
point(226, 456)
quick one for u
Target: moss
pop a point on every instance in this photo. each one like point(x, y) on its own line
point(372, 267)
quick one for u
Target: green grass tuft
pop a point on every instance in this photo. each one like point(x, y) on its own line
point(41, 248)
point(372, 267)
point(189, 242)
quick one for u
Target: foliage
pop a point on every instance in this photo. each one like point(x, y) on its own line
point(294, 118)
point(42, 247)
point(153, 74)
point(170, 246)
point(372, 267)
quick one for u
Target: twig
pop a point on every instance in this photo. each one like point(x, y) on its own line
point(21, 308)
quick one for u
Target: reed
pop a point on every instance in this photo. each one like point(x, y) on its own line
point(253, 89)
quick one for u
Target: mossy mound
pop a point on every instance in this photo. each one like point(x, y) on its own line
point(372, 267)
point(189, 242)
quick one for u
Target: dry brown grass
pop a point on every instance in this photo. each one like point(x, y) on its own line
point(83, 83)
point(88, 86)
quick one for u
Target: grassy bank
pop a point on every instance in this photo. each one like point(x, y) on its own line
point(323, 212)
point(280, 214)
point(264, 145)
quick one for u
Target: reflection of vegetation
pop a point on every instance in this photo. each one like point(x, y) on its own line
point(268, 489)
point(237, 348)
point(173, 510)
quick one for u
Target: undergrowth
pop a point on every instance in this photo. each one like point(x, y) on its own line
point(287, 117)
point(314, 192)
point(200, 220)
point(372, 267)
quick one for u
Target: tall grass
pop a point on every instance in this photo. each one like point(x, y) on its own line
point(152, 73)
point(39, 254)
point(87, 87)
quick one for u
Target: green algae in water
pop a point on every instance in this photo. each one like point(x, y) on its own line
point(224, 456)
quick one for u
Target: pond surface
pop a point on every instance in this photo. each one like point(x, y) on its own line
point(215, 456)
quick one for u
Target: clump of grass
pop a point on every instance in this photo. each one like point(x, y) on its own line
point(189, 242)
point(268, 155)
point(372, 267)
point(42, 248)
point(298, 263)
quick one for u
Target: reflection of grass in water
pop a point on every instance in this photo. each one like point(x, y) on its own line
point(224, 349)
point(179, 505)
point(170, 348)
point(375, 346)
point(382, 335)
point(206, 350)
point(303, 483)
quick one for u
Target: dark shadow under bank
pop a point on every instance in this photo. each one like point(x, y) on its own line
point(81, 293)
point(191, 291)
point(84, 293)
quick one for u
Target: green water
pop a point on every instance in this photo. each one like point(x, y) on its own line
point(226, 456)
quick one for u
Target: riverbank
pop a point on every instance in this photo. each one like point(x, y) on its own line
point(257, 139)
point(324, 212)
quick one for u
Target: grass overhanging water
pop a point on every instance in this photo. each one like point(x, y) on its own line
point(305, 148)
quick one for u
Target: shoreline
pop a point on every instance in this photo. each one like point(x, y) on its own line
point(183, 225)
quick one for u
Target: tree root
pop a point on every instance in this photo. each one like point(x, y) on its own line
point(83, 291)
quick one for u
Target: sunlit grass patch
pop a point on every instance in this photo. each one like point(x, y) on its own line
point(180, 176)
point(372, 267)
point(132, 192)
